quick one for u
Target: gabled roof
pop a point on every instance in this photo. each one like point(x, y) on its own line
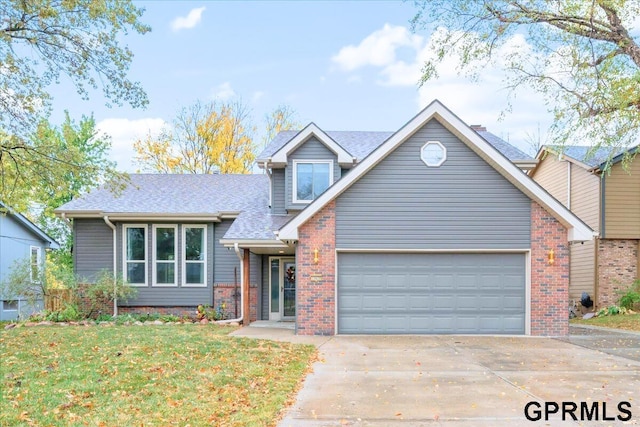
point(582, 155)
point(279, 156)
point(509, 151)
point(210, 197)
point(30, 226)
point(358, 143)
point(362, 143)
point(619, 157)
point(577, 230)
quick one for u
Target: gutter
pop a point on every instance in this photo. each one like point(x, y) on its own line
point(240, 256)
point(115, 297)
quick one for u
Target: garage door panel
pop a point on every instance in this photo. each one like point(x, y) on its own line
point(395, 293)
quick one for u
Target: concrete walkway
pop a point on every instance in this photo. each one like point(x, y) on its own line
point(455, 380)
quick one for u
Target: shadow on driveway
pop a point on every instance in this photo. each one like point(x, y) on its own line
point(611, 341)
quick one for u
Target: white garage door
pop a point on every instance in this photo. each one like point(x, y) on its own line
point(399, 293)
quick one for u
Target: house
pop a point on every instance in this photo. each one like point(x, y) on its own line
point(20, 239)
point(609, 203)
point(430, 229)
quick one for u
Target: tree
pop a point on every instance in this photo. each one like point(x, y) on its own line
point(581, 55)
point(42, 40)
point(281, 119)
point(215, 137)
point(61, 163)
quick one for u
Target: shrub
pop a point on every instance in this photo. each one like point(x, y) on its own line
point(105, 289)
point(210, 313)
point(33, 283)
point(630, 298)
point(70, 313)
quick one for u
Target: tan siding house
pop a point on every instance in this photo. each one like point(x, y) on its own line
point(610, 205)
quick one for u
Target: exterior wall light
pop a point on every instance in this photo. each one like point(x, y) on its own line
point(315, 256)
point(551, 257)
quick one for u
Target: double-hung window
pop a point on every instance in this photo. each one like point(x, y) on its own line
point(35, 264)
point(135, 269)
point(194, 250)
point(310, 179)
point(164, 255)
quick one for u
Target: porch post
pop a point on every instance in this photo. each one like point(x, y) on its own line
point(246, 279)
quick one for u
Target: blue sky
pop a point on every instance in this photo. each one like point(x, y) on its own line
point(343, 65)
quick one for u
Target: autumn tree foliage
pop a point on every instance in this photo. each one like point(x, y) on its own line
point(214, 137)
point(42, 43)
point(79, 40)
point(583, 56)
point(283, 118)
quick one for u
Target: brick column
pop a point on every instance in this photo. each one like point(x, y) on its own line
point(315, 293)
point(549, 282)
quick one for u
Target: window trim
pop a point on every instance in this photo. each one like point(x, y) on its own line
point(184, 260)
point(155, 256)
point(146, 254)
point(16, 301)
point(444, 154)
point(38, 262)
point(294, 196)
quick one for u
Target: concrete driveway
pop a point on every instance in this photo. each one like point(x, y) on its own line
point(463, 381)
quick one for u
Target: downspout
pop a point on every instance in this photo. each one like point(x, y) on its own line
point(66, 220)
point(115, 288)
point(568, 185)
point(240, 256)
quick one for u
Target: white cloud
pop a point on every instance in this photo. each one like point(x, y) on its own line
point(124, 133)
point(223, 92)
point(192, 19)
point(378, 49)
point(480, 101)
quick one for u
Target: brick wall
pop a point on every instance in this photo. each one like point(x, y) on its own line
point(315, 292)
point(549, 282)
point(84, 304)
point(617, 269)
point(189, 311)
point(223, 293)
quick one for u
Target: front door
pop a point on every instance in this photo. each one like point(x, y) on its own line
point(282, 288)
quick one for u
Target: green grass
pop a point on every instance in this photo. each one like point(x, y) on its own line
point(145, 376)
point(630, 322)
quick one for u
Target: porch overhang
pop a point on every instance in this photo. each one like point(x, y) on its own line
point(260, 246)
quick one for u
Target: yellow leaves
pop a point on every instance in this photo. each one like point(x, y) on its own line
point(205, 138)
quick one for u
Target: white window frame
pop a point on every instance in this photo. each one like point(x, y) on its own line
point(38, 262)
point(184, 256)
point(16, 301)
point(444, 154)
point(295, 177)
point(175, 256)
point(146, 254)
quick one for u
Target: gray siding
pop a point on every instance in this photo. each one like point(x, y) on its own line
point(92, 248)
point(15, 247)
point(403, 204)
point(312, 149)
point(227, 264)
point(277, 192)
point(173, 295)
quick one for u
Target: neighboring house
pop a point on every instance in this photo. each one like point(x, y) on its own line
point(20, 240)
point(430, 229)
point(609, 203)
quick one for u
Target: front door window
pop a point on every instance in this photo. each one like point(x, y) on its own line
point(289, 290)
point(282, 288)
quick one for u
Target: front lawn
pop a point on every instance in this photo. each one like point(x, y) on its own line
point(145, 376)
point(629, 322)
